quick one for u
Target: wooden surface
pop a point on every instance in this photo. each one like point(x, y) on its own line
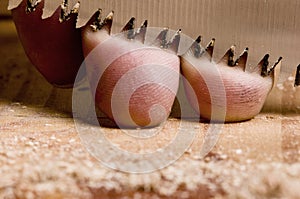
point(41, 155)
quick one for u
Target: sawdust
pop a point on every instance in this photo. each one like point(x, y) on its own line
point(41, 156)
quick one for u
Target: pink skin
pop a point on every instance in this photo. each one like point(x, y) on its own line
point(245, 92)
point(144, 98)
point(54, 48)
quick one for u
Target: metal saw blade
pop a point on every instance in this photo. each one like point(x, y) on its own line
point(263, 26)
point(87, 8)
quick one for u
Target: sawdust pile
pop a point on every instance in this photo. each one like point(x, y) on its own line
point(41, 156)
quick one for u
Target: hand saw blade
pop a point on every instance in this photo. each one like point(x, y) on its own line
point(87, 8)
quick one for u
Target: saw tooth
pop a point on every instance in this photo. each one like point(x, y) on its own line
point(75, 8)
point(241, 61)
point(198, 51)
point(262, 67)
point(277, 63)
point(141, 32)
point(161, 39)
point(198, 40)
point(107, 22)
point(96, 20)
point(65, 15)
point(272, 72)
point(196, 47)
point(129, 28)
point(210, 48)
point(228, 58)
point(173, 44)
point(31, 5)
point(162, 42)
point(130, 25)
point(98, 24)
point(297, 78)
